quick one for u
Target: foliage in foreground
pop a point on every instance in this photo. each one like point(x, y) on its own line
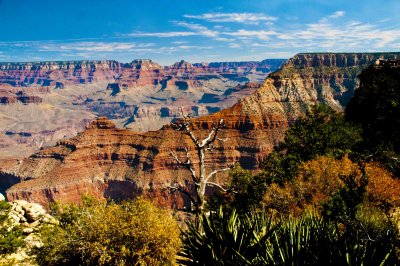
point(11, 237)
point(254, 239)
point(131, 233)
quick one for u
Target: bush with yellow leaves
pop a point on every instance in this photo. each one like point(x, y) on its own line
point(317, 180)
point(99, 233)
point(321, 178)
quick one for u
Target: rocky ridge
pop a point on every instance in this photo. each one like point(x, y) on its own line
point(61, 73)
point(112, 162)
point(141, 95)
point(30, 218)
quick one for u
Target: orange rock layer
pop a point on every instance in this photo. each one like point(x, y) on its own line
point(119, 163)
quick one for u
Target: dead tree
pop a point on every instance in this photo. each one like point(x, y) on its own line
point(199, 177)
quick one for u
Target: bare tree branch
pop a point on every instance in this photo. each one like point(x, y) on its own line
point(218, 186)
point(190, 134)
point(182, 190)
point(213, 173)
point(188, 164)
point(200, 181)
point(212, 135)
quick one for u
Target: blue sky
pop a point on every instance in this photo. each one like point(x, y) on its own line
point(194, 30)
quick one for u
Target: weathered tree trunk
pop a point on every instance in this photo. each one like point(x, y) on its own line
point(200, 180)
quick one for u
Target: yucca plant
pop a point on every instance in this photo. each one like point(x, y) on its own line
point(357, 247)
point(313, 240)
point(294, 242)
point(226, 239)
point(255, 239)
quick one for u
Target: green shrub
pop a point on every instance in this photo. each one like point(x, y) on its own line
point(11, 237)
point(376, 106)
point(247, 192)
point(322, 131)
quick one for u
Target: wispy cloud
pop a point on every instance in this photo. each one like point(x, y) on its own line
point(197, 28)
point(349, 34)
point(189, 47)
point(161, 34)
point(251, 33)
point(179, 42)
point(260, 34)
point(223, 39)
point(93, 46)
point(234, 45)
point(194, 30)
point(246, 18)
point(337, 14)
point(34, 42)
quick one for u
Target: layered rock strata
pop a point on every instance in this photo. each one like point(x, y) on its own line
point(43, 102)
point(117, 163)
point(140, 72)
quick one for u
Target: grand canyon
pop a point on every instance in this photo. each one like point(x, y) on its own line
point(199, 132)
point(108, 160)
point(44, 102)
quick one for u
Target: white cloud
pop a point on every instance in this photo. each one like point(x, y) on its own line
point(189, 47)
point(93, 46)
point(260, 34)
point(234, 45)
point(197, 28)
point(245, 18)
point(278, 54)
point(223, 39)
point(162, 34)
point(179, 42)
point(337, 14)
point(350, 34)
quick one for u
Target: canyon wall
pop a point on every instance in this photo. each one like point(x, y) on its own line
point(113, 162)
point(43, 102)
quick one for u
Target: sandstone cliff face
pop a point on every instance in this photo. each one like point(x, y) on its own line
point(8, 97)
point(339, 59)
point(113, 162)
point(137, 73)
point(48, 73)
point(141, 95)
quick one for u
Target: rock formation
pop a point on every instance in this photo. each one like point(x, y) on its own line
point(139, 95)
point(29, 217)
point(111, 162)
point(140, 72)
point(10, 95)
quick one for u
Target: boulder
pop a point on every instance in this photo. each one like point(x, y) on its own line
point(30, 217)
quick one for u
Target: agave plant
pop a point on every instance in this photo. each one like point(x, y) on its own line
point(255, 239)
point(225, 239)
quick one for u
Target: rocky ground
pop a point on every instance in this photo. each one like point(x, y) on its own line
point(29, 217)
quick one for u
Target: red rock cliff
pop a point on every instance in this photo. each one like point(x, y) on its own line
point(112, 162)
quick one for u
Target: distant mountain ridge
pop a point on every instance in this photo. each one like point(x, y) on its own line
point(46, 73)
point(55, 100)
